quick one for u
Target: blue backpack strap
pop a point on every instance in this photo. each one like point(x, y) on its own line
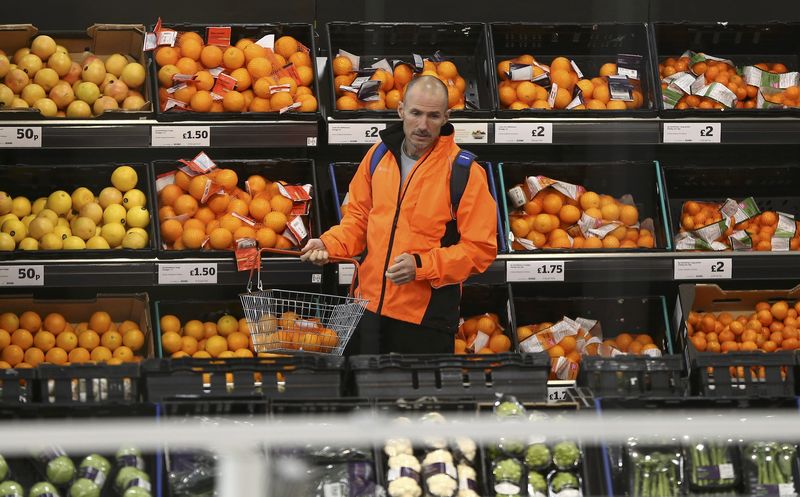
point(377, 155)
point(459, 176)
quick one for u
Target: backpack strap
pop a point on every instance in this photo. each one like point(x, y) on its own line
point(377, 155)
point(459, 176)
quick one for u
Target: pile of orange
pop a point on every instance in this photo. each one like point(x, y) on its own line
point(760, 228)
point(189, 223)
point(291, 331)
point(259, 72)
point(720, 72)
point(27, 340)
point(770, 328)
point(227, 337)
point(489, 325)
point(518, 95)
point(393, 84)
point(550, 219)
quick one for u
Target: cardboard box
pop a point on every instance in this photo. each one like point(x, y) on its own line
point(102, 40)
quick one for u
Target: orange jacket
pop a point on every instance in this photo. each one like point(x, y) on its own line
point(389, 220)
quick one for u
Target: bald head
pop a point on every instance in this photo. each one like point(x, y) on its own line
point(426, 85)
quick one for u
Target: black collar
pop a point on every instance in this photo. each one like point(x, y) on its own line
point(393, 137)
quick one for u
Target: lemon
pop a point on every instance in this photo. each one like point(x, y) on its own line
point(48, 214)
point(138, 217)
point(97, 243)
point(134, 240)
point(59, 202)
point(83, 228)
point(16, 229)
point(124, 178)
point(141, 233)
point(62, 222)
point(27, 220)
point(6, 218)
point(113, 233)
point(80, 197)
point(109, 196)
point(39, 205)
point(134, 198)
point(6, 242)
point(63, 232)
point(40, 227)
point(20, 207)
point(93, 211)
point(51, 241)
point(6, 203)
point(29, 244)
point(114, 213)
point(74, 243)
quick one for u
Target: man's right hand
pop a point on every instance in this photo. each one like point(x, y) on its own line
point(315, 252)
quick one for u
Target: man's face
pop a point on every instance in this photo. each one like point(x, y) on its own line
point(423, 114)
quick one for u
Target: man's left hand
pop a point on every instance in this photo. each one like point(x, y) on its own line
point(404, 269)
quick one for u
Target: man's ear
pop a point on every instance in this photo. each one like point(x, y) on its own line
point(400, 109)
point(446, 116)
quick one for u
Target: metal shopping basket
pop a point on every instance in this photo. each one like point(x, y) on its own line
point(291, 321)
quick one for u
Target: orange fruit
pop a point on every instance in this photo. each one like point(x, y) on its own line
point(193, 238)
point(237, 340)
point(460, 347)
point(171, 230)
point(486, 325)
point(13, 355)
point(100, 322)
point(56, 355)
point(281, 100)
point(233, 101)
point(9, 322)
point(101, 354)
point(54, 323)
point(266, 238)
point(169, 323)
point(33, 356)
point(189, 345)
point(23, 338)
point(201, 101)
point(227, 178)
point(194, 328)
point(171, 342)
point(124, 353)
point(186, 204)
point(569, 214)
point(110, 340)
point(79, 355)
point(219, 203)
point(169, 193)
point(220, 239)
point(167, 56)
point(133, 339)
point(556, 351)
point(233, 58)
point(500, 343)
point(30, 321)
point(44, 340)
point(216, 345)
point(67, 341)
point(211, 56)
point(5, 339)
point(88, 339)
point(342, 65)
point(276, 221)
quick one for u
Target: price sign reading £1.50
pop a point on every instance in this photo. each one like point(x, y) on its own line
point(181, 136)
point(187, 273)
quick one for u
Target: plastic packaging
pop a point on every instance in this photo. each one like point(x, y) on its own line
point(711, 465)
point(655, 472)
point(770, 468)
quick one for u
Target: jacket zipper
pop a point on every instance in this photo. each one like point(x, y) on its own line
point(401, 194)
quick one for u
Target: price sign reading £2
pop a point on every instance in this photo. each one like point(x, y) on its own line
point(181, 136)
point(703, 269)
point(187, 274)
point(350, 133)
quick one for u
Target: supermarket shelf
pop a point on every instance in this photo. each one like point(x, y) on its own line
point(146, 272)
point(757, 131)
point(77, 134)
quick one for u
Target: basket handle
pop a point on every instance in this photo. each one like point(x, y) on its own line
point(297, 253)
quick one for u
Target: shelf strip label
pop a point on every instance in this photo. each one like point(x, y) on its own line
point(22, 275)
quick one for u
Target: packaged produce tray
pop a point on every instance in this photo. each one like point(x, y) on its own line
point(302, 32)
point(772, 186)
point(341, 173)
point(293, 171)
point(484, 301)
point(465, 44)
point(743, 44)
point(297, 376)
point(442, 376)
point(589, 45)
point(102, 40)
point(641, 180)
point(36, 181)
point(749, 374)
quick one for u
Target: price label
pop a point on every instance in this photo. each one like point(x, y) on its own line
point(523, 133)
point(535, 271)
point(471, 132)
point(181, 136)
point(556, 394)
point(703, 269)
point(187, 274)
point(27, 137)
point(348, 133)
point(346, 273)
point(692, 132)
point(311, 141)
point(21, 275)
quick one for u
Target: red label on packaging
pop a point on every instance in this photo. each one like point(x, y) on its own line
point(164, 180)
point(211, 188)
point(297, 228)
point(224, 84)
point(244, 219)
point(219, 35)
point(300, 208)
point(247, 255)
point(295, 193)
point(290, 71)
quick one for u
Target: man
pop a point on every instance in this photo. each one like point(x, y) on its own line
point(418, 250)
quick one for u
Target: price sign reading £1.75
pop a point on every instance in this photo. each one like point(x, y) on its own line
point(535, 270)
point(187, 273)
point(181, 136)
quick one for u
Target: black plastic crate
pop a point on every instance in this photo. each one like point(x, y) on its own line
point(302, 32)
point(293, 171)
point(341, 173)
point(640, 179)
point(35, 181)
point(280, 408)
point(714, 374)
point(631, 376)
point(17, 386)
point(465, 44)
point(206, 310)
point(443, 376)
point(300, 376)
point(743, 44)
point(89, 383)
point(100, 39)
point(589, 45)
point(774, 187)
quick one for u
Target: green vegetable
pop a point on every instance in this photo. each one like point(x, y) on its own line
point(11, 489)
point(773, 462)
point(42, 489)
point(566, 455)
point(655, 474)
point(3, 468)
point(537, 456)
point(536, 483)
point(507, 470)
point(563, 480)
point(706, 454)
point(60, 470)
point(509, 408)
